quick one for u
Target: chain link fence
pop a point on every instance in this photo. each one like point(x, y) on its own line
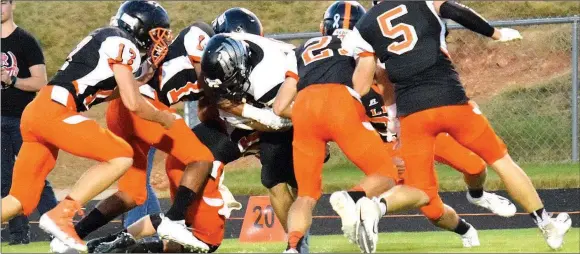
point(528, 89)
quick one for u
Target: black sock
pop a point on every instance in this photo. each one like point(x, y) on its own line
point(539, 215)
point(462, 227)
point(356, 195)
point(155, 220)
point(183, 199)
point(93, 221)
point(476, 193)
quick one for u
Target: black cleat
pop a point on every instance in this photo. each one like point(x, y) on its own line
point(119, 245)
point(92, 244)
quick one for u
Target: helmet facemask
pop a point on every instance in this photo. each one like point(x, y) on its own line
point(160, 40)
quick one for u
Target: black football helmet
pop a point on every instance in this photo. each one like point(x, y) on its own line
point(341, 15)
point(147, 22)
point(238, 20)
point(226, 68)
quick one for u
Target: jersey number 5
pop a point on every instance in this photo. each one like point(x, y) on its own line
point(392, 32)
point(318, 43)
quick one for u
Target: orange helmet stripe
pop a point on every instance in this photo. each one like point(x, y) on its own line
point(346, 18)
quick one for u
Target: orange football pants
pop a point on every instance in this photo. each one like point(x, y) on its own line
point(419, 131)
point(329, 112)
point(47, 126)
point(206, 223)
point(179, 142)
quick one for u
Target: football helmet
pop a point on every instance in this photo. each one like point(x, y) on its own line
point(341, 15)
point(226, 68)
point(148, 23)
point(238, 20)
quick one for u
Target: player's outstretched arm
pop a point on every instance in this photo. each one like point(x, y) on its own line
point(283, 102)
point(473, 21)
point(133, 100)
point(264, 119)
point(364, 74)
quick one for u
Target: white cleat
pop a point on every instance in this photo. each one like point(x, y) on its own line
point(177, 231)
point(291, 251)
point(495, 203)
point(470, 239)
point(555, 230)
point(345, 207)
point(57, 246)
point(367, 225)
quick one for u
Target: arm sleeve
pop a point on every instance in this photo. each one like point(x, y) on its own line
point(34, 55)
point(292, 65)
point(119, 50)
point(194, 43)
point(466, 17)
point(354, 42)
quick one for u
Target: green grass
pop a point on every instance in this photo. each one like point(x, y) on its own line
point(518, 240)
point(344, 176)
point(535, 122)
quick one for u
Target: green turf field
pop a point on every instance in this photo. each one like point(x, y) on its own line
point(342, 175)
point(519, 240)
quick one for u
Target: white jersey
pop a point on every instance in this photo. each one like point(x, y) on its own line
point(269, 66)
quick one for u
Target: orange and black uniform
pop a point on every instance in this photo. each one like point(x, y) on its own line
point(409, 39)
point(328, 109)
point(175, 80)
point(52, 120)
point(447, 150)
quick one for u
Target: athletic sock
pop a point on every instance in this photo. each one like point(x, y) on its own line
point(183, 198)
point(383, 206)
point(462, 227)
point(155, 220)
point(356, 195)
point(93, 221)
point(295, 240)
point(476, 193)
point(540, 216)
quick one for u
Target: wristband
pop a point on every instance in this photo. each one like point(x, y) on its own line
point(252, 112)
point(13, 80)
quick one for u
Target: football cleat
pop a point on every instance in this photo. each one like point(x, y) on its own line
point(120, 244)
point(92, 244)
point(177, 231)
point(470, 239)
point(59, 223)
point(367, 232)
point(345, 207)
point(555, 229)
point(495, 203)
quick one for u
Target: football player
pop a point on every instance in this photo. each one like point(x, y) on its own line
point(175, 80)
point(326, 108)
point(408, 39)
point(103, 61)
point(245, 72)
point(383, 119)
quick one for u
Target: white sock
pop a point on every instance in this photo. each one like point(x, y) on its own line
point(383, 208)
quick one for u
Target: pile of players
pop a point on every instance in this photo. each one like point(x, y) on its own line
point(380, 84)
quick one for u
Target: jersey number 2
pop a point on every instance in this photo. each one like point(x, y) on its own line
point(392, 32)
point(318, 43)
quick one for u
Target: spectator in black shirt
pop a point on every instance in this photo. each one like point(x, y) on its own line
point(23, 74)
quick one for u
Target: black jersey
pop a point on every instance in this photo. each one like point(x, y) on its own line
point(87, 72)
point(176, 79)
point(409, 39)
point(378, 113)
point(322, 60)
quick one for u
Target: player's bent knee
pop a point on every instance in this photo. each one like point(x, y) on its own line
point(122, 163)
point(434, 210)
